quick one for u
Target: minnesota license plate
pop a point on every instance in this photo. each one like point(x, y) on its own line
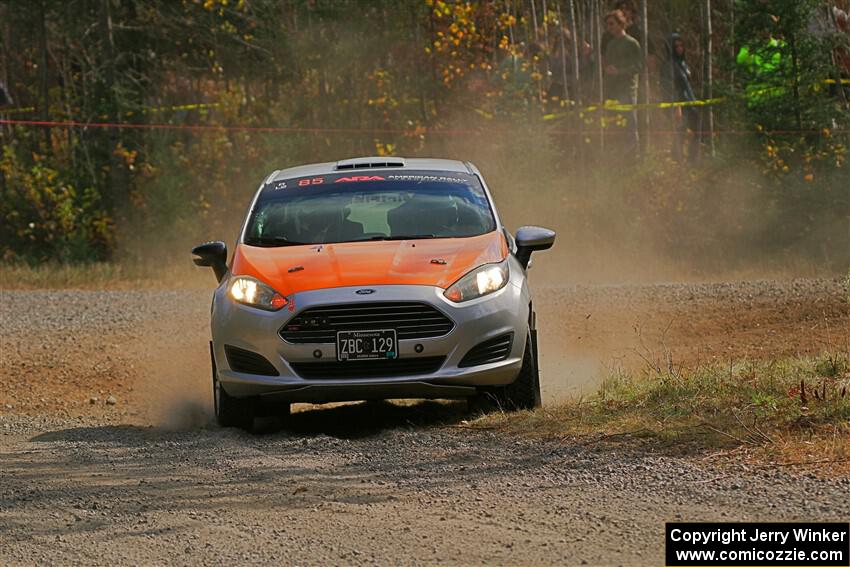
point(366, 345)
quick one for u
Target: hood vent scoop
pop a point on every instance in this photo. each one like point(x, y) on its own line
point(369, 163)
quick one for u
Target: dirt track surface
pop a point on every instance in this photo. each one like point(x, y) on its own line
point(361, 485)
point(85, 478)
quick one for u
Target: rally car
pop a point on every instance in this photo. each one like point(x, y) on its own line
point(372, 278)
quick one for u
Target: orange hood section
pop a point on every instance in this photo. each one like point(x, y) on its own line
point(294, 269)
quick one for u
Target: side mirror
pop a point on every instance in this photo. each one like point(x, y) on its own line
point(214, 255)
point(531, 238)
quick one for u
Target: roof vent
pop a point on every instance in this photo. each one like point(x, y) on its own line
point(369, 163)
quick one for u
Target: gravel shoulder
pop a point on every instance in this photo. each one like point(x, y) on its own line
point(334, 492)
point(148, 480)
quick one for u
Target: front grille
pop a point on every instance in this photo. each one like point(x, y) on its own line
point(369, 368)
point(411, 320)
point(241, 360)
point(493, 350)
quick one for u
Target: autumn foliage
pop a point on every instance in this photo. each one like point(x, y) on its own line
point(221, 92)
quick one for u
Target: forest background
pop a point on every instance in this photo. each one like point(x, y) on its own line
point(134, 130)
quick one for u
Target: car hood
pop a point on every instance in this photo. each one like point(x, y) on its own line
point(437, 262)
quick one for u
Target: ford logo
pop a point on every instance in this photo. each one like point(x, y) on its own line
point(365, 291)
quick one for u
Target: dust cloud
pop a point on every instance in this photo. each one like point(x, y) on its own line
point(174, 388)
point(567, 375)
point(615, 225)
point(651, 223)
point(648, 221)
point(578, 345)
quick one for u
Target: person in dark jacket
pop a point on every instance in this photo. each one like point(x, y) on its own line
point(676, 85)
point(5, 97)
point(562, 83)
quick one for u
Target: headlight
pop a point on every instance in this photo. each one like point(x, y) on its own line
point(255, 293)
point(480, 281)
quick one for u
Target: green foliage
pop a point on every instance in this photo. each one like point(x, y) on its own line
point(786, 65)
point(44, 217)
point(832, 366)
point(802, 141)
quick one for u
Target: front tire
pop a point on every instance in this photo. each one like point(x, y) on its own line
point(230, 411)
point(524, 392)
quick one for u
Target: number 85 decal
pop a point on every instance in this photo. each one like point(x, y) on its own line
point(313, 181)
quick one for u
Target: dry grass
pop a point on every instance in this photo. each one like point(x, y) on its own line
point(105, 276)
point(788, 413)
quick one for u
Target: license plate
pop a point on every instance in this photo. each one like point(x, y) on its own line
point(366, 345)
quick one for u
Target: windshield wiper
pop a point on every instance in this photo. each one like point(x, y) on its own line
point(405, 237)
point(271, 241)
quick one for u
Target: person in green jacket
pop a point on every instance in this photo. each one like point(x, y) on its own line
point(622, 64)
point(764, 66)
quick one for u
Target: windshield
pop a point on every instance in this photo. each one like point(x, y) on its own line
point(352, 208)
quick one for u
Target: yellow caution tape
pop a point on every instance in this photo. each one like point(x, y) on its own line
point(617, 106)
point(613, 105)
point(195, 106)
point(484, 113)
point(18, 110)
point(620, 107)
point(155, 109)
point(609, 105)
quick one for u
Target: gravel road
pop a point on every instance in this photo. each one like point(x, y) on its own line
point(107, 455)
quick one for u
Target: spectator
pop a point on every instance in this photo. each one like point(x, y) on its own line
point(764, 65)
point(676, 85)
point(622, 63)
point(562, 80)
point(842, 53)
point(629, 10)
point(521, 78)
point(5, 97)
point(830, 25)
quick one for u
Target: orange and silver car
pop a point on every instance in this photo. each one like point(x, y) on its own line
point(372, 278)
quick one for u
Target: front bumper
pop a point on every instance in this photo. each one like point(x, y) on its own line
point(255, 330)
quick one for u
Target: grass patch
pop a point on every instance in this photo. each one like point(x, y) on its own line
point(791, 412)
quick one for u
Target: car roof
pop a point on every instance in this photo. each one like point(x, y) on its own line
point(381, 163)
